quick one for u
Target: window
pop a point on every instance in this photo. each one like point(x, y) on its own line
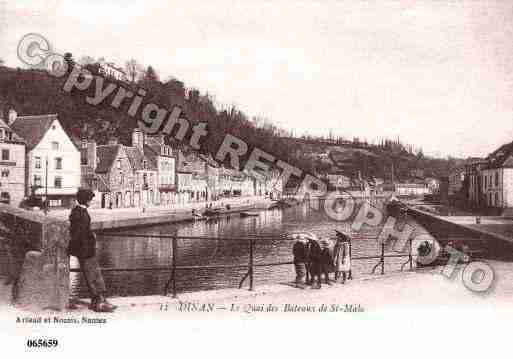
point(5, 197)
point(121, 178)
point(58, 182)
point(496, 179)
point(37, 180)
point(5, 155)
point(58, 163)
point(83, 158)
point(145, 181)
point(119, 164)
point(5, 173)
point(496, 199)
point(38, 162)
point(55, 203)
point(55, 146)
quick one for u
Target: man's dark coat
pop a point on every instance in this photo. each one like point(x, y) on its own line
point(83, 241)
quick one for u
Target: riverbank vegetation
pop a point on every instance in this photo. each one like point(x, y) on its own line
point(33, 91)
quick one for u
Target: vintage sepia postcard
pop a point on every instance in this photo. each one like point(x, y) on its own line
point(256, 178)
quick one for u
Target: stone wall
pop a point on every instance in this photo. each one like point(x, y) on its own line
point(38, 253)
point(490, 245)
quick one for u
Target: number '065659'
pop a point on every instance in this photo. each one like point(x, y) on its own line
point(42, 343)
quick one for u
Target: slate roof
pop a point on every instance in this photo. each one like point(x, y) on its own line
point(151, 155)
point(103, 183)
point(106, 155)
point(33, 128)
point(15, 136)
point(209, 160)
point(136, 158)
point(502, 157)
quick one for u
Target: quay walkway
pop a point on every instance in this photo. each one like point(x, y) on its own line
point(419, 289)
point(104, 218)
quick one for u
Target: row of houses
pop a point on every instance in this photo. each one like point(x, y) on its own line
point(482, 183)
point(40, 160)
point(375, 185)
point(488, 183)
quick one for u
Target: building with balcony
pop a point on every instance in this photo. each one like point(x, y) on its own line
point(145, 177)
point(163, 158)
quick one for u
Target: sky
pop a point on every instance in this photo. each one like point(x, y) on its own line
point(438, 75)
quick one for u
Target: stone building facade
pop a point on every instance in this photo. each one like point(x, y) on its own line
point(12, 166)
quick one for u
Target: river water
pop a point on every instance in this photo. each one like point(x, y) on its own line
point(141, 252)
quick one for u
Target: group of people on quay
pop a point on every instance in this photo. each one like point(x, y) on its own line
point(315, 259)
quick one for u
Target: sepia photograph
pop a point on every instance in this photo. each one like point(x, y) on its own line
point(256, 178)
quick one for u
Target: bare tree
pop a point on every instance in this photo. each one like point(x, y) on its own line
point(133, 69)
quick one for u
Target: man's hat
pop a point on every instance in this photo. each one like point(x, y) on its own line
point(84, 195)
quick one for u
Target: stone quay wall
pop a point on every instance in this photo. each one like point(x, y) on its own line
point(34, 250)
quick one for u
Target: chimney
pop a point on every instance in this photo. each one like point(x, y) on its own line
point(91, 155)
point(138, 139)
point(113, 141)
point(13, 115)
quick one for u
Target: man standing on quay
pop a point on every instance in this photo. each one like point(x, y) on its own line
point(83, 246)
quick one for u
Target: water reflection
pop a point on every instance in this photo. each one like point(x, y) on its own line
point(123, 252)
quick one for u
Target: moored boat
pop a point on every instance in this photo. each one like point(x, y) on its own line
point(212, 212)
point(249, 214)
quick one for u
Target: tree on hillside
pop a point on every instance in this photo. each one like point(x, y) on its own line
point(133, 70)
point(1, 62)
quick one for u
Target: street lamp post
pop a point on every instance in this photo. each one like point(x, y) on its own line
point(46, 186)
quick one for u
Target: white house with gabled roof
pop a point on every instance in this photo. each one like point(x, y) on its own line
point(50, 154)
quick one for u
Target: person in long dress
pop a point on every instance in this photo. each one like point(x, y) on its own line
point(327, 256)
point(342, 259)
